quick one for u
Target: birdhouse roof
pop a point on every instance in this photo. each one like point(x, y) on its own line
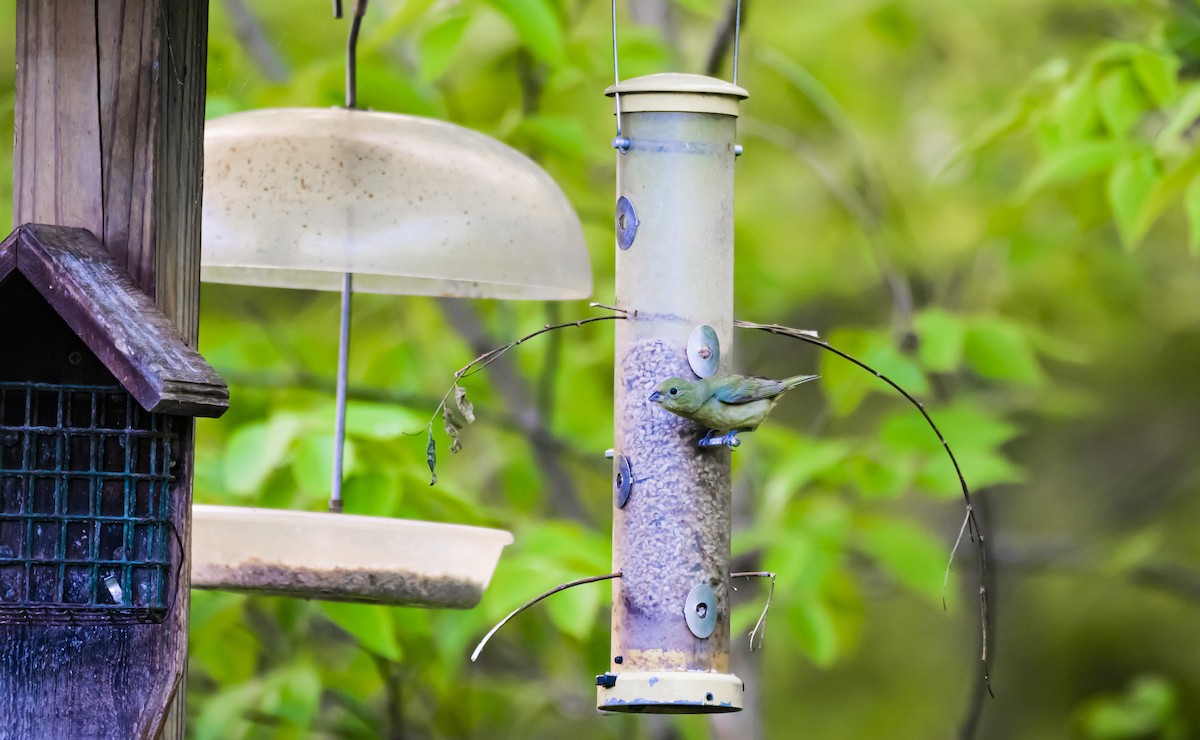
point(119, 323)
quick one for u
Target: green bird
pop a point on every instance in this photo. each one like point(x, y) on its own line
point(724, 403)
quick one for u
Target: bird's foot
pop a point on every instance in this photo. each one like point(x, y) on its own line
point(729, 440)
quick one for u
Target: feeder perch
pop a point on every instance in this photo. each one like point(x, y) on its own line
point(670, 617)
point(88, 469)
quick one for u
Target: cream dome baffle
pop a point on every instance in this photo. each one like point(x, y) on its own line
point(298, 197)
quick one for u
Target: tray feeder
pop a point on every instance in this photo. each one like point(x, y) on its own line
point(88, 491)
point(362, 201)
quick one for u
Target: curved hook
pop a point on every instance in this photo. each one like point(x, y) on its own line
point(360, 9)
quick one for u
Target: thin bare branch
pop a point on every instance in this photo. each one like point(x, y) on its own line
point(534, 600)
point(762, 619)
point(249, 31)
point(973, 529)
point(522, 405)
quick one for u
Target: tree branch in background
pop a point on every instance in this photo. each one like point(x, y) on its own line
point(548, 377)
point(661, 15)
point(522, 405)
point(1172, 580)
point(856, 205)
point(249, 31)
point(722, 42)
point(371, 394)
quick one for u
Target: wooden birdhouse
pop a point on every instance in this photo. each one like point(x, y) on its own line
point(95, 385)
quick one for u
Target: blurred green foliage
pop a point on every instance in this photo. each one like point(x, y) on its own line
point(996, 203)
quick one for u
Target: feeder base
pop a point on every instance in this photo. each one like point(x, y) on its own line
point(670, 692)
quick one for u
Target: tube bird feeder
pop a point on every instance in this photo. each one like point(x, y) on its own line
point(671, 509)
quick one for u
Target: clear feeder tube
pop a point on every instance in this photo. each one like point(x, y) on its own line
point(671, 532)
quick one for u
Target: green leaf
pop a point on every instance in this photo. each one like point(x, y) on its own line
point(942, 335)
point(1191, 206)
point(965, 426)
point(1012, 118)
point(1181, 120)
point(431, 457)
point(801, 466)
point(256, 450)
point(846, 384)
point(566, 136)
point(1120, 101)
point(998, 349)
point(439, 45)
point(294, 695)
point(906, 552)
point(225, 649)
point(312, 462)
point(536, 25)
point(1149, 708)
point(574, 611)
point(380, 420)
point(1075, 109)
point(1166, 191)
point(1132, 180)
point(872, 478)
point(1070, 163)
point(371, 625)
point(1158, 75)
point(814, 628)
point(222, 715)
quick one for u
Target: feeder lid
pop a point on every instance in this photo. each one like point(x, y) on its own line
point(296, 197)
point(678, 92)
point(119, 324)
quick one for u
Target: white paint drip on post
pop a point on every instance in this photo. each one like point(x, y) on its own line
point(673, 532)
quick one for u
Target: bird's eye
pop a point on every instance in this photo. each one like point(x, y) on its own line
point(674, 391)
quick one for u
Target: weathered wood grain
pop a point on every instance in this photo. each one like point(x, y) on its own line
point(118, 322)
point(109, 137)
point(56, 164)
point(179, 161)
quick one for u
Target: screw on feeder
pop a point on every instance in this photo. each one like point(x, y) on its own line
point(704, 351)
point(627, 223)
point(700, 612)
point(622, 480)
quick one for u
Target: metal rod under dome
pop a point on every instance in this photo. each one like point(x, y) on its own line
point(343, 371)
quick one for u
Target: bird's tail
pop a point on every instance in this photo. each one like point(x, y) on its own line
point(796, 380)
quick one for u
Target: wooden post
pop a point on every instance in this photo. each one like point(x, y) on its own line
point(109, 137)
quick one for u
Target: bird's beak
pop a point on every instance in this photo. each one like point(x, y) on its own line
point(656, 396)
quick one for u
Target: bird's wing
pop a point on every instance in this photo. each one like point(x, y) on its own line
point(747, 388)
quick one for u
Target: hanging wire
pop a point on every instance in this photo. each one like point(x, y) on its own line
point(620, 143)
point(343, 371)
point(737, 32)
